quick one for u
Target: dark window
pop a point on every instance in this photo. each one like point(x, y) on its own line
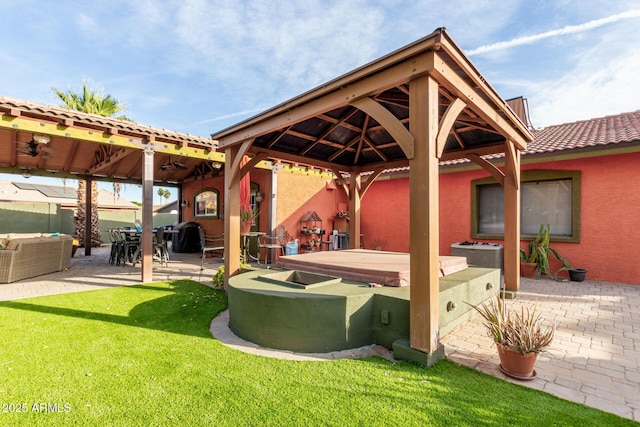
point(546, 197)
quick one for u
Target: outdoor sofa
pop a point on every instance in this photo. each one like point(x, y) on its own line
point(24, 255)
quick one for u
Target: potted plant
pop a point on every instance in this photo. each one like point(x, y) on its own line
point(575, 274)
point(536, 261)
point(247, 219)
point(519, 336)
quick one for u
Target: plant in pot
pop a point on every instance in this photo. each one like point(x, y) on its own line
point(247, 219)
point(519, 336)
point(536, 261)
point(575, 274)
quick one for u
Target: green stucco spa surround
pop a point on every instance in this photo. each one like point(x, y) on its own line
point(280, 310)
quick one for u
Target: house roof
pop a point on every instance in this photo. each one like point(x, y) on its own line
point(63, 195)
point(600, 132)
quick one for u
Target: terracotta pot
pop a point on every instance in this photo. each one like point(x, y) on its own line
point(517, 365)
point(529, 269)
point(245, 226)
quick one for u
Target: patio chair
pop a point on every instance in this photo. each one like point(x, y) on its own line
point(160, 249)
point(271, 242)
point(128, 246)
point(210, 244)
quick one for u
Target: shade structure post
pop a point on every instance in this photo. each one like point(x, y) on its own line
point(511, 220)
point(231, 213)
point(354, 210)
point(424, 221)
point(147, 215)
point(88, 213)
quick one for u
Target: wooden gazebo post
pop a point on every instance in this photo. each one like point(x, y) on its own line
point(231, 212)
point(424, 221)
point(511, 220)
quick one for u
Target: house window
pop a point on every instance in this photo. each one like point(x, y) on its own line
point(546, 197)
point(206, 204)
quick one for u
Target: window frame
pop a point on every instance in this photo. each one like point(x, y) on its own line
point(195, 204)
point(532, 176)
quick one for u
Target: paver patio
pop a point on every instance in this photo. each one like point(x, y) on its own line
point(594, 358)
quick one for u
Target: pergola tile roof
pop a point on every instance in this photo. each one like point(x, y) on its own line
point(99, 122)
point(83, 144)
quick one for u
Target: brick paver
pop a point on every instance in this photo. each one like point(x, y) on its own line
point(594, 358)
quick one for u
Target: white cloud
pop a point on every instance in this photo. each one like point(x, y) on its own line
point(610, 87)
point(569, 29)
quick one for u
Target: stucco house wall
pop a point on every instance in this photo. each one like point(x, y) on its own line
point(609, 214)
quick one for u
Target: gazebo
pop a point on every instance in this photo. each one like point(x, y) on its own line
point(420, 105)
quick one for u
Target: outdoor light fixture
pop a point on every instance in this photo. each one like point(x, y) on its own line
point(184, 203)
point(216, 165)
point(41, 139)
point(259, 197)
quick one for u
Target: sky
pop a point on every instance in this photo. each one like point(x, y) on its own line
point(200, 66)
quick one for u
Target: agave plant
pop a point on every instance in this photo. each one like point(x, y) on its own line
point(520, 330)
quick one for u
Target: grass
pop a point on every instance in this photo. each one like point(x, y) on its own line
point(143, 356)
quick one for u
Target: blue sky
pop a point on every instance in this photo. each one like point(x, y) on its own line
point(198, 66)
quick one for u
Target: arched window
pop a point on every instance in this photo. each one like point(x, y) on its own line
point(206, 204)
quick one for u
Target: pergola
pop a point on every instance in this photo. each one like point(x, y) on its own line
point(60, 143)
point(418, 106)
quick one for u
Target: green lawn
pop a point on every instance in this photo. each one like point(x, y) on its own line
point(143, 356)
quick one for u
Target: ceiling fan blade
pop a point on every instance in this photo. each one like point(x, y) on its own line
point(46, 157)
point(47, 149)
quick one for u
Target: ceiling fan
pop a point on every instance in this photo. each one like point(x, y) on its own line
point(36, 147)
point(173, 165)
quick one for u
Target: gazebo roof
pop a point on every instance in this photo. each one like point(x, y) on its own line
point(338, 124)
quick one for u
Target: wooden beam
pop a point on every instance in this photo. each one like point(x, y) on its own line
point(27, 124)
point(370, 179)
point(512, 157)
point(497, 148)
point(424, 221)
point(287, 115)
point(115, 158)
point(512, 220)
point(447, 77)
point(488, 166)
point(390, 122)
point(235, 166)
point(446, 123)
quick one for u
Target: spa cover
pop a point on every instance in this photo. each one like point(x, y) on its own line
point(362, 265)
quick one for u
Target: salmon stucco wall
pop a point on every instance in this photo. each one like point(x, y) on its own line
point(216, 226)
point(609, 215)
point(298, 194)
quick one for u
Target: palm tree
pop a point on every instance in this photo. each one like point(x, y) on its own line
point(161, 192)
point(95, 102)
